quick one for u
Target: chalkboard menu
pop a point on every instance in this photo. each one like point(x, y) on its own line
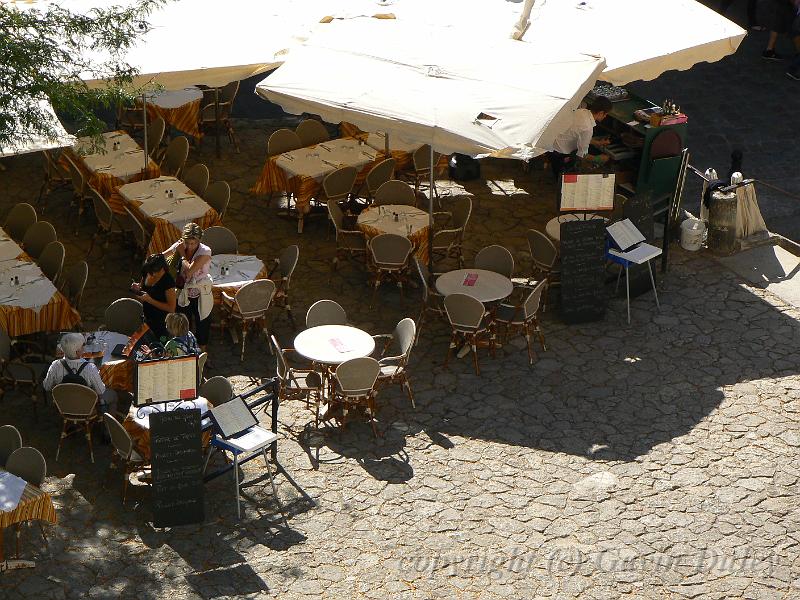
point(639, 210)
point(583, 271)
point(177, 460)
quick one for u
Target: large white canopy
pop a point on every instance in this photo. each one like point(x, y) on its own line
point(429, 85)
point(640, 39)
point(211, 43)
point(36, 142)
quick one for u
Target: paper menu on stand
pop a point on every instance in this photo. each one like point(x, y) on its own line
point(166, 380)
point(625, 234)
point(587, 191)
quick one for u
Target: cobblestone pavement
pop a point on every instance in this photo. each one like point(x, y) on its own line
point(657, 460)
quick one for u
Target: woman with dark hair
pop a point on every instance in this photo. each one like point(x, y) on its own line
point(156, 291)
point(195, 299)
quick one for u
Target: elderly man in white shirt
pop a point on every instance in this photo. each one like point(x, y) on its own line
point(72, 346)
point(577, 138)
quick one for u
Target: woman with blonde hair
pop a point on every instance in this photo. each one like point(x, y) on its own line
point(183, 341)
point(195, 298)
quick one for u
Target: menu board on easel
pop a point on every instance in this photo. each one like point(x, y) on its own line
point(165, 380)
point(583, 297)
point(591, 191)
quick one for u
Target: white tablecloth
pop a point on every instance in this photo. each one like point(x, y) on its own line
point(242, 269)
point(11, 488)
point(9, 249)
point(123, 163)
point(175, 98)
point(382, 218)
point(333, 344)
point(320, 160)
point(34, 289)
point(183, 207)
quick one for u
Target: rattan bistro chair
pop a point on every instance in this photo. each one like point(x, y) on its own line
point(497, 259)
point(175, 156)
point(27, 463)
point(394, 368)
point(196, 178)
point(51, 261)
point(355, 387)
point(297, 383)
point(349, 243)
point(55, 176)
point(106, 221)
point(449, 240)
point(78, 407)
point(311, 132)
point(432, 301)
point(208, 120)
point(74, 282)
point(141, 239)
point(155, 134)
point(22, 364)
point(389, 255)
point(19, 220)
point(124, 455)
point(10, 440)
point(524, 318)
point(221, 240)
point(422, 168)
point(470, 322)
point(249, 307)
point(325, 312)
point(123, 316)
point(337, 187)
point(218, 196)
point(377, 176)
point(545, 261)
point(217, 390)
point(37, 237)
point(79, 186)
point(285, 265)
point(395, 191)
point(283, 140)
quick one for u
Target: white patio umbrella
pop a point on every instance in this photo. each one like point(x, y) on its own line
point(430, 86)
point(435, 87)
point(640, 39)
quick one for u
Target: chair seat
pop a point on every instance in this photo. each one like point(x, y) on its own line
point(388, 371)
point(21, 372)
point(509, 314)
point(303, 381)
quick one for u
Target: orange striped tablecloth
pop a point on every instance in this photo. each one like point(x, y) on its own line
point(178, 108)
point(140, 434)
point(56, 315)
point(35, 504)
point(373, 223)
point(274, 179)
point(145, 198)
point(118, 374)
point(126, 165)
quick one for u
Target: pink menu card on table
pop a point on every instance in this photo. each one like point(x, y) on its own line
point(339, 345)
point(470, 279)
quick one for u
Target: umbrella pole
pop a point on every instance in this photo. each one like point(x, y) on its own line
point(216, 121)
point(144, 120)
point(430, 216)
point(386, 145)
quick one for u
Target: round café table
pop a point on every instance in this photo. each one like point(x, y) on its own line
point(333, 344)
point(488, 286)
point(178, 108)
point(553, 227)
point(412, 223)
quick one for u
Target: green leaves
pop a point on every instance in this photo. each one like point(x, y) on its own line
point(51, 53)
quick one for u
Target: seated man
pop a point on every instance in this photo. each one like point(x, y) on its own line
point(75, 368)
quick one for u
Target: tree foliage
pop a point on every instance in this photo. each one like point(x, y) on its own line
point(51, 52)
